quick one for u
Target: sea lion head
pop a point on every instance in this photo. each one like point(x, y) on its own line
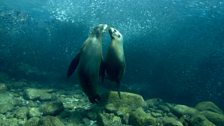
point(99, 29)
point(115, 34)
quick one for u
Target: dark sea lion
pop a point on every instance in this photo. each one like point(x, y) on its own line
point(115, 59)
point(89, 62)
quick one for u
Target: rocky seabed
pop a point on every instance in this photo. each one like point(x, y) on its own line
point(23, 105)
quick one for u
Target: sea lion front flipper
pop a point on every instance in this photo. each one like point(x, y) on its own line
point(102, 70)
point(73, 65)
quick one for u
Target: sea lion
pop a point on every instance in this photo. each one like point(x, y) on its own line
point(89, 63)
point(115, 59)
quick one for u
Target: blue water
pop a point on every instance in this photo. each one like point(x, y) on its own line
point(174, 48)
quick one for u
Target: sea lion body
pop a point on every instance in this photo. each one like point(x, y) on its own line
point(88, 63)
point(115, 59)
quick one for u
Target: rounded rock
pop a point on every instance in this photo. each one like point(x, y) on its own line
point(34, 112)
point(50, 121)
point(140, 118)
point(3, 87)
point(32, 121)
point(208, 106)
point(52, 108)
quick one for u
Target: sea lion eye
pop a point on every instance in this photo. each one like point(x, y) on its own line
point(118, 36)
point(115, 30)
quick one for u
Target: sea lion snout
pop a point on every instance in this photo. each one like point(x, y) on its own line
point(104, 27)
point(112, 30)
point(114, 33)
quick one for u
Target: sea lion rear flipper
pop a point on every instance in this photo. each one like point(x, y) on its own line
point(94, 99)
point(102, 71)
point(118, 89)
point(73, 65)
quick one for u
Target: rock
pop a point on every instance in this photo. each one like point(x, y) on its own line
point(19, 100)
point(6, 107)
point(92, 113)
point(34, 112)
point(73, 117)
point(191, 115)
point(168, 121)
point(9, 122)
point(2, 116)
point(66, 114)
point(50, 121)
point(31, 103)
point(7, 102)
point(216, 118)
point(52, 108)
point(21, 113)
point(32, 121)
point(180, 110)
point(170, 114)
point(38, 94)
point(154, 102)
point(74, 101)
point(106, 119)
point(208, 106)
point(124, 116)
point(3, 87)
point(88, 122)
point(125, 104)
point(140, 118)
point(200, 120)
point(156, 115)
point(164, 108)
point(21, 122)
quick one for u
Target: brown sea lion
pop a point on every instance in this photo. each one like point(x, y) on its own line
point(89, 62)
point(115, 59)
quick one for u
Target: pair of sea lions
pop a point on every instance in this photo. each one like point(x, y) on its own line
point(90, 65)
